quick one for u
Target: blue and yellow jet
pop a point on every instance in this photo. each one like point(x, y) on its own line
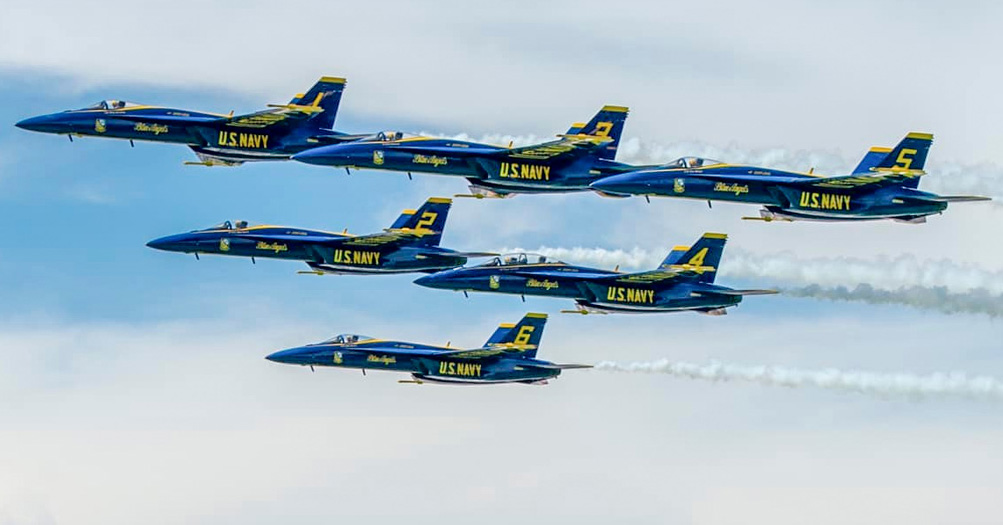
point(411, 244)
point(883, 186)
point(573, 161)
point(509, 356)
point(275, 133)
point(683, 282)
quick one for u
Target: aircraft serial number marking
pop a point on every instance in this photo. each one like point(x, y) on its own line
point(513, 170)
point(234, 139)
point(620, 294)
point(825, 201)
point(459, 369)
point(357, 257)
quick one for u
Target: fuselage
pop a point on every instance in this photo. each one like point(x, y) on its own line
point(590, 288)
point(324, 251)
point(261, 137)
point(484, 165)
point(778, 191)
point(424, 362)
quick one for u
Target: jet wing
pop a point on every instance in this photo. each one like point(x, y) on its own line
point(488, 351)
point(268, 117)
point(643, 277)
point(566, 144)
point(877, 179)
point(388, 236)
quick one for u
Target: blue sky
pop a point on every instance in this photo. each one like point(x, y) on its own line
point(133, 385)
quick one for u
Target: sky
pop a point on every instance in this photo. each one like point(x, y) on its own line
point(133, 385)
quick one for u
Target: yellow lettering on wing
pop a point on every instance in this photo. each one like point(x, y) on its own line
point(234, 139)
point(357, 257)
point(449, 368)
point(824, 201)
point(622, 294)
point(515, 170)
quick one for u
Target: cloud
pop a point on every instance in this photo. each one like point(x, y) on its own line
point(938, 385)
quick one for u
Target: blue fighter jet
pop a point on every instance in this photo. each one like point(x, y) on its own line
point(582, 155)
point(884, 186)
point(411, 244)
point(683, 282)
point(275, 133)
point(509, 356)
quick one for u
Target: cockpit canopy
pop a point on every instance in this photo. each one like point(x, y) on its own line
point(227, 225)
point(342, 339)
point(691, 162)
point(510, 259)
point(388, 136)
point(112, 104)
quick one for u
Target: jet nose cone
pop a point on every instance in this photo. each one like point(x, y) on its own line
point(172, 243)
point(51, 123)
point(624, 184)
point(291, 356)
point(324, 156)
point(435, 280)
point(42, 123)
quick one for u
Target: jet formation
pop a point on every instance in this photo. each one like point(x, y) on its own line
point(884, 185)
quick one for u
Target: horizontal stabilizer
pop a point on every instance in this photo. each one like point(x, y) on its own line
point(951, 198)
point(725, 291)
point(553, 366)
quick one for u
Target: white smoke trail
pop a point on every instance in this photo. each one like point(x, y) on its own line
point(938, 385)
point(938, 285)
point(946, 178)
